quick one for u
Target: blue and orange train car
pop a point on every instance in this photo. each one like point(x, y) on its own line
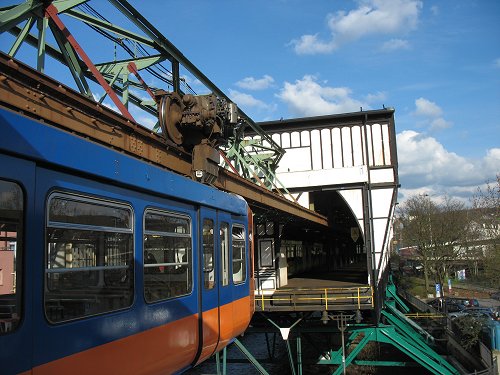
point(117, 266)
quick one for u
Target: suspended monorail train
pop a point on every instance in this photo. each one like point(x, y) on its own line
point(110, 264)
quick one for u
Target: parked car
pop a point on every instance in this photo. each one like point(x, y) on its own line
point(437, 303)
point(455, 310)
point(467, 302)
point(495, 296)
point(446, 305)
point(482, 313)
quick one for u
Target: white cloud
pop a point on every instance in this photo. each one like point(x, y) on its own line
point(376, 17)
point(387, 17)
point(377, 97)
point(142, 95)
point(492, 159)
point(434, 10)
point(426, 166)
point(440, 124)
point(432, 114)
point(147, 122)
point(427, 108)
point(247, 100)
point(311, 45)
point(395, 44)
point(306, 97)
point(145, 119)
point(251, 83)
point(497, 63)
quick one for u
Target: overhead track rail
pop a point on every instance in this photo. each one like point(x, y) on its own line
point(139, 56)
point(27, 91)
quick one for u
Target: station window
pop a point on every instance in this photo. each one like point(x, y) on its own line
point(208, 254)
point(224, 250)
point(239, 264)
point(167, 255)
point(299, 250)
point(270, 228)
point(11, 252)
point(90, 258)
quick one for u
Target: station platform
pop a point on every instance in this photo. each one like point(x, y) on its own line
point(344, 289)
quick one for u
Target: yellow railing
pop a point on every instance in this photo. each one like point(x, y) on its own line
point(425, 315)
point(326, 297)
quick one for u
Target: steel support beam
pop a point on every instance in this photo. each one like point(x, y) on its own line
point(42, 24)
point(52, 12)
point(17, 14)
point(72, 62)
point(402, 333)
point(22, 36)
point(426, 357)
point(250, 357)
point(60, 106)
point(398, 331)
point(11, 17)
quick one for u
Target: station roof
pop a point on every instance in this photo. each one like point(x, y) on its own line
point(319, 122)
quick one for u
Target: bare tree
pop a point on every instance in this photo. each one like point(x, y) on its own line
point(451, 235)
point(415, 215)
point(486, 216)
point(440, 232)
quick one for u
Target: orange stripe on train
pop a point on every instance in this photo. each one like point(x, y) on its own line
point(164, 349)
point(210, 333)
point(234, 319)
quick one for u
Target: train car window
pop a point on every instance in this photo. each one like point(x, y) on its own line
point(11, 252)
point(167, 255)
point(90, 257)
point(224, 250)
point(239, 264)
point(208, 254)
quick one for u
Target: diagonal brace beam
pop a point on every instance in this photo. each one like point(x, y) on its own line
point(51, 12)
point(17, 14)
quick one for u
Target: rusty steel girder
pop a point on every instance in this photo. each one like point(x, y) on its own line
point(33, 94)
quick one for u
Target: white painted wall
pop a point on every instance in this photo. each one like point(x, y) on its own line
point(338, 157)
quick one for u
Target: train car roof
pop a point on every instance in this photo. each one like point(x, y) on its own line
point(48, 145)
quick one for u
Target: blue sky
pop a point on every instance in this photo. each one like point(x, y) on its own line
point(436, 62)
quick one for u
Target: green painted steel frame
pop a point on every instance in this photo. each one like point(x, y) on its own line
point(425, 356)
point(396, 330)
point(399, 331)
point(223, 370)
point(262, 159)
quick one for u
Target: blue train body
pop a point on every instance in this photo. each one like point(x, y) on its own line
point(85, 221)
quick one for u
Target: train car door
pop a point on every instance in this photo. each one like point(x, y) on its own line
point(209, 280)
point(17, 220)
point(226, 331)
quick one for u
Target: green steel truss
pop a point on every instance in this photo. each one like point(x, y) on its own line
point(394, 329)
point(138, 48)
